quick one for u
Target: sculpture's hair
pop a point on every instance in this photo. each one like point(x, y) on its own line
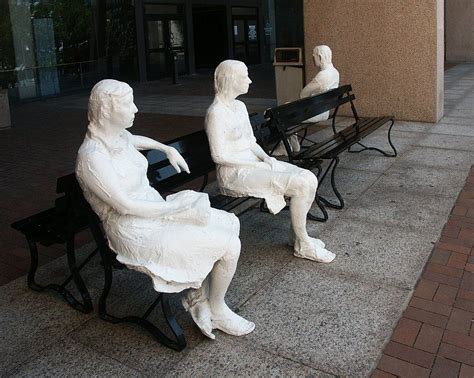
point(102, 96)
point(224, 75)
point(324, 53)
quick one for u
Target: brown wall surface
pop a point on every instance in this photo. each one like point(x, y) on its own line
point(388, 50)
point(459, 30)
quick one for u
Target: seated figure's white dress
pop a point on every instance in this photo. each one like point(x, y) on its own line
point(175, 251)
point(230, 133)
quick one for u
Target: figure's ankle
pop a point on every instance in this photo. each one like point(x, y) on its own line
point(219, 309)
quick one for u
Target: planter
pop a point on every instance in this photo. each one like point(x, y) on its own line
point(5, 120)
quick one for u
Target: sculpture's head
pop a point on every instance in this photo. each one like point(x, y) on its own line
point(111, 104)
point(322, 56)
point(231, 78)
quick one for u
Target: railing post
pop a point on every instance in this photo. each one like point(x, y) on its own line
point(80, 74)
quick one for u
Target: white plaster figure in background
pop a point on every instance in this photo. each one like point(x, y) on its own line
point(244, 169)
point(327, 77)
point(180, 242)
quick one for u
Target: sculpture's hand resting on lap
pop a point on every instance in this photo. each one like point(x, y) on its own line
point(244, 169)
point(180, 242)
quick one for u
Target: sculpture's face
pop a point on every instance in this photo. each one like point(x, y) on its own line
point(317, 60)
point(123, 111)
point(242, 80)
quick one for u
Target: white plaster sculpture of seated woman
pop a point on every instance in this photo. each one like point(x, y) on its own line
point(326, 78)
point(180, 242)
point(244, 169)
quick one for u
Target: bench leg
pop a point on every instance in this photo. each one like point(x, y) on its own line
point(332, 167)
point(86, 305)
point(387, 154)
point(323, 202)
point(325, 216)
point(179, 342)
point(204, 182)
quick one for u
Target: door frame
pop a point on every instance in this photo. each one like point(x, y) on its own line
point(246, 19)
point(165, 18)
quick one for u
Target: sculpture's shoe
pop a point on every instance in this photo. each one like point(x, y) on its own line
point(234, 325)
point(201, 314)
point(313, 250)
point(292, 239)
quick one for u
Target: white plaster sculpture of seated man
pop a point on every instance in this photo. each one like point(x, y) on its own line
point(326, 78)
point(180, 242)
point(244, 169)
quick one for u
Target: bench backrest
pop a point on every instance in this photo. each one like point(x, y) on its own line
point(267, 134)
point(73, 201)
point(195, 150)
point(294, 113)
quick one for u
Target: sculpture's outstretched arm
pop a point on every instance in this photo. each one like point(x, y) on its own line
point(99, 177)
point(145, 143)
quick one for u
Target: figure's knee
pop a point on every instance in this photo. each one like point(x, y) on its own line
point(235, 225)
point(311, 179)
point(233, 249)
point(305, 184)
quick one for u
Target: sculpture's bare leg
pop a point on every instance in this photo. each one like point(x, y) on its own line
point(223, 318)
point(302, 191)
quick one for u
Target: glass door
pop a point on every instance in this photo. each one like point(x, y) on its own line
point(246, 36)
point(165, 39)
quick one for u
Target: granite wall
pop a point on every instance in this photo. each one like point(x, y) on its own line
point(460, 30)
point(392, 52)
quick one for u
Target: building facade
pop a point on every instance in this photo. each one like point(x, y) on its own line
point(49, 47)
point(392, 52)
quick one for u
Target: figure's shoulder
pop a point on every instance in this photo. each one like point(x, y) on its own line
point(92, 150)
point(241, 105)
point(214, 111)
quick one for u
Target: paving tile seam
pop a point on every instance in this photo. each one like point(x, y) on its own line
point(439, 168)
point(387, 223)
point(244, 302)
point(120, 362)
point(411, 164)
point(398, 226)
point(39, 353)
point(455, 125)
point(413, 191)
point(395, 189)
point(446, 148)
point(361, 278)
point(288, 358)
point(245, 342)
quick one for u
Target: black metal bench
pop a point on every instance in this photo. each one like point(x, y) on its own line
point(195, 150)
point(72, 214)
point(82, 209)
point(58, 225)
point(288, 119)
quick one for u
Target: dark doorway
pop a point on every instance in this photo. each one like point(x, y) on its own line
point(210, 35)
point(165, 39)
point(246, 34)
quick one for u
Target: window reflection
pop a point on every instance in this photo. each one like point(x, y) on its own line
point(52, 46)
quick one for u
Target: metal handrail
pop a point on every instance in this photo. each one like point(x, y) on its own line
point(17, 69)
